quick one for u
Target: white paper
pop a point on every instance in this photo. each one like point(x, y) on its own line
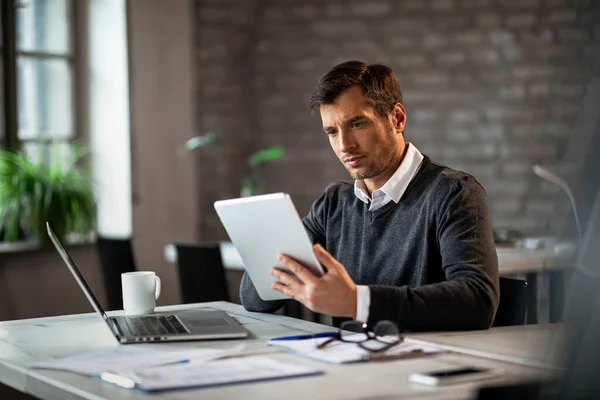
point(219, 372)
point(338, 352)
point(126, 358)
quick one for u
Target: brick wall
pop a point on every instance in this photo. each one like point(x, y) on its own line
point(491, 87)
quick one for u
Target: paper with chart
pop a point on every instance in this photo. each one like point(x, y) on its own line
point(338, 352)
point(126, 358)
point(213, 373)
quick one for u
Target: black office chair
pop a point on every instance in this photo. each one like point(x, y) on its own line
point(116, 257)
point(513, 302)
point(201, 273)
point(292, 308)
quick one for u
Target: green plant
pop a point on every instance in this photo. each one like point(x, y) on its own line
point(33, 191)
point(252, 183)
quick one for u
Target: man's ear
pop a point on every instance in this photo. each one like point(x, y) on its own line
point(399, 117)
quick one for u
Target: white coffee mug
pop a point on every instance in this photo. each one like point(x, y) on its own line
point(140, 292)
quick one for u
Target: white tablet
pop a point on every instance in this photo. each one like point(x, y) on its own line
point(261, 227)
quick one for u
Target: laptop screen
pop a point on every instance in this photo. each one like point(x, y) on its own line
point(78, 277)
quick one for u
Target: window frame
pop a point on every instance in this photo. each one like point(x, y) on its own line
point(10, 139)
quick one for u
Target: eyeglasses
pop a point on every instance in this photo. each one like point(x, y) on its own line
point(383, 336)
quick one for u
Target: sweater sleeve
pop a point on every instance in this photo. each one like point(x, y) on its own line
point(314, 224)
point(252, 301)
point(469, 297)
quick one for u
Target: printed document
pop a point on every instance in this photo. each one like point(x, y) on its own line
point(125, 358)
point(213, 373)
point(338, 352)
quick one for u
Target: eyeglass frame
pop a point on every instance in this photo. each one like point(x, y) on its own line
point(369, 335)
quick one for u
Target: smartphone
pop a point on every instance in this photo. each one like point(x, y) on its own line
point(453, 375)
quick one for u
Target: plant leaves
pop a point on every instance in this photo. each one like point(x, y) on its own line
point(198, 142)
point(269, 154)
point(33, 191)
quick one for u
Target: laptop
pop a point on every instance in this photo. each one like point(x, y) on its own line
point(158, 327)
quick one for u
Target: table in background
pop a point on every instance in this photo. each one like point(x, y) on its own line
point(25, 341)
point(535, 264)
point(511, 261)
point(229, 254)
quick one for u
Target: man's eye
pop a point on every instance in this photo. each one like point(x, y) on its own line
point(356, 124)
point(330, 132)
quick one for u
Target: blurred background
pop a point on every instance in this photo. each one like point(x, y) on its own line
point(491, 87)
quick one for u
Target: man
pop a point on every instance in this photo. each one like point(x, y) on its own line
point(409, 241)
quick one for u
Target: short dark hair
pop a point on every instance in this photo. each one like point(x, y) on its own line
point(377, 81)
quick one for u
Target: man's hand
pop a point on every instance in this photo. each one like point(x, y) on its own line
point(333, 294)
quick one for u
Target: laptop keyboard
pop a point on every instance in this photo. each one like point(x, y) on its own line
point(155, 325)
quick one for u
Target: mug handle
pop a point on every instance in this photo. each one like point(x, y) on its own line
point(157, 286)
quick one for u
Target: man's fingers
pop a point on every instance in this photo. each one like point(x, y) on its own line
point(283, 289)
point(302, 273)
point(325, 258)
point(285, 277)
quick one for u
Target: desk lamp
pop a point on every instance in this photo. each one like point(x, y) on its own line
point(546, 175)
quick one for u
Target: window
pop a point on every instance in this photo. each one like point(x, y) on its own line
point(39, 49)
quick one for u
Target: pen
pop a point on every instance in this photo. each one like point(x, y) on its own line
point(174, 363)
point(311, 336)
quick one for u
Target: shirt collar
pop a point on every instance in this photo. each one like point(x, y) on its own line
point(397, 184)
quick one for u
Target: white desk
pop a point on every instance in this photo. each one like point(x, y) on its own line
point(24, 341)
point(532, 345)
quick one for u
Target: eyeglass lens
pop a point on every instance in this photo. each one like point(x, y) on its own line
point(350, 331)
point(386, 328)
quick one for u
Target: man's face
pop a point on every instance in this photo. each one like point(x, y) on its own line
point(368, 145)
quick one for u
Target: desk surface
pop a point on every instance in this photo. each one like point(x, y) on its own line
point(25, 341)
point(533, 345)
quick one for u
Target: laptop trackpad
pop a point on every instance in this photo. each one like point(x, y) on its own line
point(211, 322)
point(206, 323)
point(205, 319)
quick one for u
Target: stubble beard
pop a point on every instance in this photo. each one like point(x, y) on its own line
point(371, 172)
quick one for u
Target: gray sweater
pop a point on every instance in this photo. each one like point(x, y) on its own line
point(430, 260)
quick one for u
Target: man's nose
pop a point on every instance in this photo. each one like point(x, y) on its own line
point(347, 142)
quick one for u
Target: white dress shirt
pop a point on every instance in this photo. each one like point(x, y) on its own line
point(393, 190)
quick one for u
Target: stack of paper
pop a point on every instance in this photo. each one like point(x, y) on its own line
point(155, 367)
point(206, 374)
point(126, 358)
point(338, 352)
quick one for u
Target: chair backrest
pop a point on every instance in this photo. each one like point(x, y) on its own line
point(513, 302)
point(116, 257)
point(201, 273)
